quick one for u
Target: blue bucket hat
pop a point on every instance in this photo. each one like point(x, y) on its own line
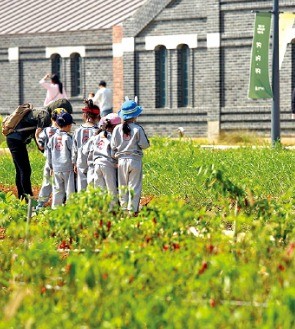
point(129, 110)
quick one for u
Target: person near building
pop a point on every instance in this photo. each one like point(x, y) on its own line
point(54, 87)
point(104, 99)
point(22, 135)
point(128, 142)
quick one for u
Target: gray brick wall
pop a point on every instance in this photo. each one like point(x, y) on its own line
point(19, 82)
point(145, 80)
point(218, 77)
point(178, 18)
point(129, 74)
point(11, 86)
point(237, 111)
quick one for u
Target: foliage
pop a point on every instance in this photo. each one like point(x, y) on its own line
point(240, 137)
point(37, 163)
point(214, 248)
point(2, 138)
point(171, 168)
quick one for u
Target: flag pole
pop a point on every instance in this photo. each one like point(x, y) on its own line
point(275, 112)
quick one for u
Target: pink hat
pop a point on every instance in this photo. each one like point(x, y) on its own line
point(113, 118)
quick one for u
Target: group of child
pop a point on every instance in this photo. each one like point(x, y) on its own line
point(105, 153)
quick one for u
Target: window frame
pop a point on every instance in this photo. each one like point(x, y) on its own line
point(161, 72)
point(183, 73)
point(76, 74)
point(56, 64)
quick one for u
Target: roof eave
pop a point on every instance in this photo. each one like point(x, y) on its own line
point(143, 16)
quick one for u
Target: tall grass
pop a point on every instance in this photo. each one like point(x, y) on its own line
point(7, 173)
point(171, 167)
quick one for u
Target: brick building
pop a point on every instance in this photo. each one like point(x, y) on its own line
point(188, 61)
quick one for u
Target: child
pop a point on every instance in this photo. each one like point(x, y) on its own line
point(105, 167)
point(82, 134)
point(42, 138)
point(91, 95)
point(127, 142)
point(60, 160)
point(88, 154)
point(87, 150)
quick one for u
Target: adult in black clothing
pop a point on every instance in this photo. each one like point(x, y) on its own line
point(17, 143)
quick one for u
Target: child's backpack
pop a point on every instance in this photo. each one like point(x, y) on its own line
point(11, 121)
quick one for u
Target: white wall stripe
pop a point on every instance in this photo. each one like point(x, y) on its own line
point(171, 41)
point(213, 40)
point(13, 54)
point(117, 50)
point(128, 44)
point(65, 51)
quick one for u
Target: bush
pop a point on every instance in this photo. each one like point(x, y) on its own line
point(219, 253)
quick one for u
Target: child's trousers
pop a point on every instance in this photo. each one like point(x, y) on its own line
point(105, 177)
point(63, 187)
point(46, 188)
point(81, 179)
point(90, 176)
point(130, 183)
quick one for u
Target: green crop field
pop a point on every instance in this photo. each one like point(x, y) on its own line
point(214, 248)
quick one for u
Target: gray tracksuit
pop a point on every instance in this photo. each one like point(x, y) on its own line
point(105, 171)
point(128, 151)
point(60, 161)
point(81, 136)
point(87, 150)
point(46, 188)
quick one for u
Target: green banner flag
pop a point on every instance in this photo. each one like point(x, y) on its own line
point(259, 86)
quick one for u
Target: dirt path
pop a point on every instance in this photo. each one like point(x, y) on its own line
point(12, 188)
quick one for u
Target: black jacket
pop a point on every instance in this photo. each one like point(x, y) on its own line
point(38, 118)
point(25, 130)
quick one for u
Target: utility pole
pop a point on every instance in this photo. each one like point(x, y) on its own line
point(275, 112)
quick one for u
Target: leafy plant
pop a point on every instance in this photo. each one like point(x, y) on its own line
point(214, 248)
